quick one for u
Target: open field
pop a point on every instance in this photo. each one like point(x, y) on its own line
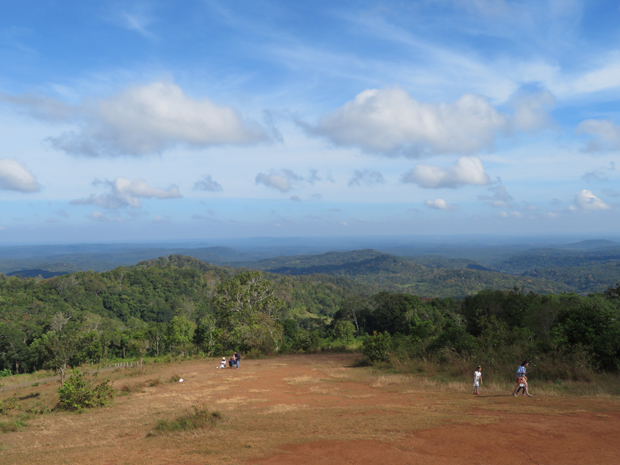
point(317, 409)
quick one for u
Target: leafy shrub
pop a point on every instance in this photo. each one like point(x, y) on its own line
point(78, 393)
point(5, 373)
point(197, 418)
point(8, 405)
point(377, 346)
point(174, 379)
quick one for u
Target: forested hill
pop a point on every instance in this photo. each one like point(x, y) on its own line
point(401, 274)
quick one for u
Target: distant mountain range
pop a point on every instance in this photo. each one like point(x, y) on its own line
point(585, 266)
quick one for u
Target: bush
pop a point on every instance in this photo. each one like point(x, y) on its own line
point(8, 405)
point(377, 346)
point(5, 373)
point(197, 418)
point(78, 393)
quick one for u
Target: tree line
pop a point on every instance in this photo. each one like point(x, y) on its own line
point(179, 305)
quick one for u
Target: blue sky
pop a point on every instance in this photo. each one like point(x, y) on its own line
point(153, 120)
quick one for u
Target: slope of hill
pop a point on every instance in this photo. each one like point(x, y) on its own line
point(556, 258)
point(400, 274)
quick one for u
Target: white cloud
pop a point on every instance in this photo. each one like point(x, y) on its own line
point(440, 204)
point(389, 121)
point(367, 177)
point(207, 183)
point(98, 216)
point(512, 214)
point(530, 110)
point(143, 120)
point(136, 22)
point(466, 170)
point(274, 180)
point(605, 134)
point(161, 219)
point(15, 177)
point(586, 200)
point(126, 193)
point(500, 198)
point(594, 177)
point(280, 180)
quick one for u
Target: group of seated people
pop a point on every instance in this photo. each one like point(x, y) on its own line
point(233, 362)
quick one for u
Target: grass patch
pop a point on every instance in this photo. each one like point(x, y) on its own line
point(13, 425)
point(154, 382)
point(196, 419)
point(174, 379)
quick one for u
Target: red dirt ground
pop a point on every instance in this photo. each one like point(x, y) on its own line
point(318, 409)
point(524, 439)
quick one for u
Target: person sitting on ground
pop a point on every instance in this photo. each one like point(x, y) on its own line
point(222, 363)
point(231, 362)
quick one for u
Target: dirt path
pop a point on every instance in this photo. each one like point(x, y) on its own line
point(318, 410)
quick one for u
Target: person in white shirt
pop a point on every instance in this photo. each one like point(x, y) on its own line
point(222, 363)
point(477, 380)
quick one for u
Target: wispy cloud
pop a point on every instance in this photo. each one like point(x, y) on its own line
point(367, 177)
point(207, 183)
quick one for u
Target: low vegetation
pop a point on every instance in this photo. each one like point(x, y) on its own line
point(195, 419)
point(79, 393)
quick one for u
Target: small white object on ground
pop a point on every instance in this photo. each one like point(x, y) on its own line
point(181, 380)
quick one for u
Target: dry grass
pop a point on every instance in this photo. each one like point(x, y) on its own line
point(265, 404)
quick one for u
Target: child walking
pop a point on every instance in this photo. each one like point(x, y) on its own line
point(477, 380)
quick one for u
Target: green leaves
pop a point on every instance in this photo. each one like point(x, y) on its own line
point(78, 393)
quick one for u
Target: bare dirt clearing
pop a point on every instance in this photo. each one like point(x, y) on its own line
point(317, 409)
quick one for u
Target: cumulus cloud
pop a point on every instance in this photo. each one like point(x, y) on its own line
point(605, 135)
point(466, 170)
point(143, 120)
point(15, 177)
point(284, 179)
point(368, 177)
point(276, 180)
point(390, 122)
point(586, 200)
point(440, 204)
point(500, 198)
point(126, 193)
point(207, 183)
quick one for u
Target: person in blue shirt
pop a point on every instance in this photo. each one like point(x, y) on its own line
point(522, 379)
